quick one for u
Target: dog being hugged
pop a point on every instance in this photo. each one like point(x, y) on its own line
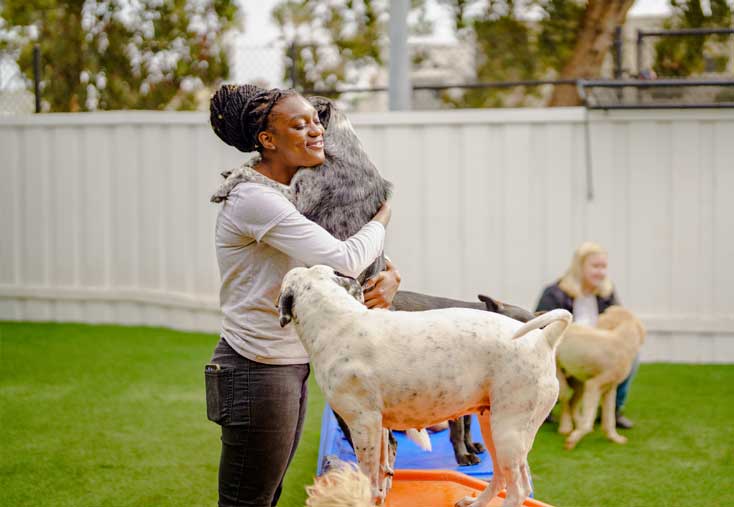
point(409, 370)
point(594, 361)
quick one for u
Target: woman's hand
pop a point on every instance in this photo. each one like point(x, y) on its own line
point(383, 214)
point(380, 290)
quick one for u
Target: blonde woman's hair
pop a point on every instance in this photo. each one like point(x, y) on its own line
point(570, 283)
point(342, 486)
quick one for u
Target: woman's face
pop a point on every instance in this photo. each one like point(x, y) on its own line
point(295, 134)
point(594, 270)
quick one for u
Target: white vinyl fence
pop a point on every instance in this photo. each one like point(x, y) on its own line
point(105, 217)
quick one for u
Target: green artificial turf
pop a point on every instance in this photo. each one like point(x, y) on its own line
point(115, 416)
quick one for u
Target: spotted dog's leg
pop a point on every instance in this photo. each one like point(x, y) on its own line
point(525, 469)
point(512, 442)
point(386, 462)
point(497, 482)
point(367, 438)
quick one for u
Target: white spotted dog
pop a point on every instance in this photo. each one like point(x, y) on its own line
point(407, 370)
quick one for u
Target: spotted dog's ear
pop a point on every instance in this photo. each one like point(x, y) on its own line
point(351, 285)
point(323, 107)
point(491, 304)
point(285, 306)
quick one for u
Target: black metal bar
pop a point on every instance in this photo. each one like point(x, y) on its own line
point(500, 84)
point(655, 83)
point(638, 56)
point(718, 105)
point(37, 76)
point(589, 167)
point(639, 83)
point(685, 31)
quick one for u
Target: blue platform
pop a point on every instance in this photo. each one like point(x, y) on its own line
point(410, 456)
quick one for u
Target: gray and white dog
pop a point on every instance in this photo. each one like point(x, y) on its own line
point(347, 190)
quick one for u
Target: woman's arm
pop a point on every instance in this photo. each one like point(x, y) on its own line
point(302, 239)
point(548, 301)
point(264, 214)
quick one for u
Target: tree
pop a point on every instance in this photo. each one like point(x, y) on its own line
point(117, 54)
point(570, 40)
point(685, 56)
point(593, 40)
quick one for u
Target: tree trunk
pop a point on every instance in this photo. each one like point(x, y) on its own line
point(594, 40)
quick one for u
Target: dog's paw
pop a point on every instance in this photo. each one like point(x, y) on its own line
point(467, 501)
point(570, 443)
point(475, 448)
point(467, 459)
point(617, 438)
point(565, 429)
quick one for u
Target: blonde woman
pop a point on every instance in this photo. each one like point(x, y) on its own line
point(586, 291)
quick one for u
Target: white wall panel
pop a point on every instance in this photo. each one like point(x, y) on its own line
point(106, 217)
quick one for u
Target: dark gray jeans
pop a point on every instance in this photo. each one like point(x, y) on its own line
point(261, 408)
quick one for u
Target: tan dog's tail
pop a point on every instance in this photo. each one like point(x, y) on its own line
point(557, 322)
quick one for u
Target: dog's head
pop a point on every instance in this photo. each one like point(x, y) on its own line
point(323, 107)
point(300, 280)
point(615, 317)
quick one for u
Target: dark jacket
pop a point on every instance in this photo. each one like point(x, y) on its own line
point(553, 297)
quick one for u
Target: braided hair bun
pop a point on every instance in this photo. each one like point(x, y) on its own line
point(238, 113)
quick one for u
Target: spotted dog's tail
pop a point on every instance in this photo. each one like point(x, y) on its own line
point(420, 438)
point(557, 322)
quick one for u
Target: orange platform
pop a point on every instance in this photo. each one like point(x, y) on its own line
point(439, 488)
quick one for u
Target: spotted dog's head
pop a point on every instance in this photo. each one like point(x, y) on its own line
point(323, 107)
point(298, 280)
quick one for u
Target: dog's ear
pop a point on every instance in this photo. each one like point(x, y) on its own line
point(492, 304)
point(323, 107)
point(285, 306)
point(351, 285)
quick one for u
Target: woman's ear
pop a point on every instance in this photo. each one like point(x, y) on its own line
point(265, 139)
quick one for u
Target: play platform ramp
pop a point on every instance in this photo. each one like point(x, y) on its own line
point(439, 488)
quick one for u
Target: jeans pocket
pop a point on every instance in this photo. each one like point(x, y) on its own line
point(219, 393)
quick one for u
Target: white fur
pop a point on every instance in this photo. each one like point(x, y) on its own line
point(403, 370)
point(420, 438)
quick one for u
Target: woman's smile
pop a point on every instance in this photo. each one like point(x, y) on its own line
point(316, 144)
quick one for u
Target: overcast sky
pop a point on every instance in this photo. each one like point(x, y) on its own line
point(259, 29)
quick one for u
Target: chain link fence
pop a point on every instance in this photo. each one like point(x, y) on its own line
point(16, 94)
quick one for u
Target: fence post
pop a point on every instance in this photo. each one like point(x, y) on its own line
point(618, 52)
point(37, 76)
point(640, 35)
point(292, 55)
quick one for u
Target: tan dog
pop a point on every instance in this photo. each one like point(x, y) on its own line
point(594, 361)
point(344, 485)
